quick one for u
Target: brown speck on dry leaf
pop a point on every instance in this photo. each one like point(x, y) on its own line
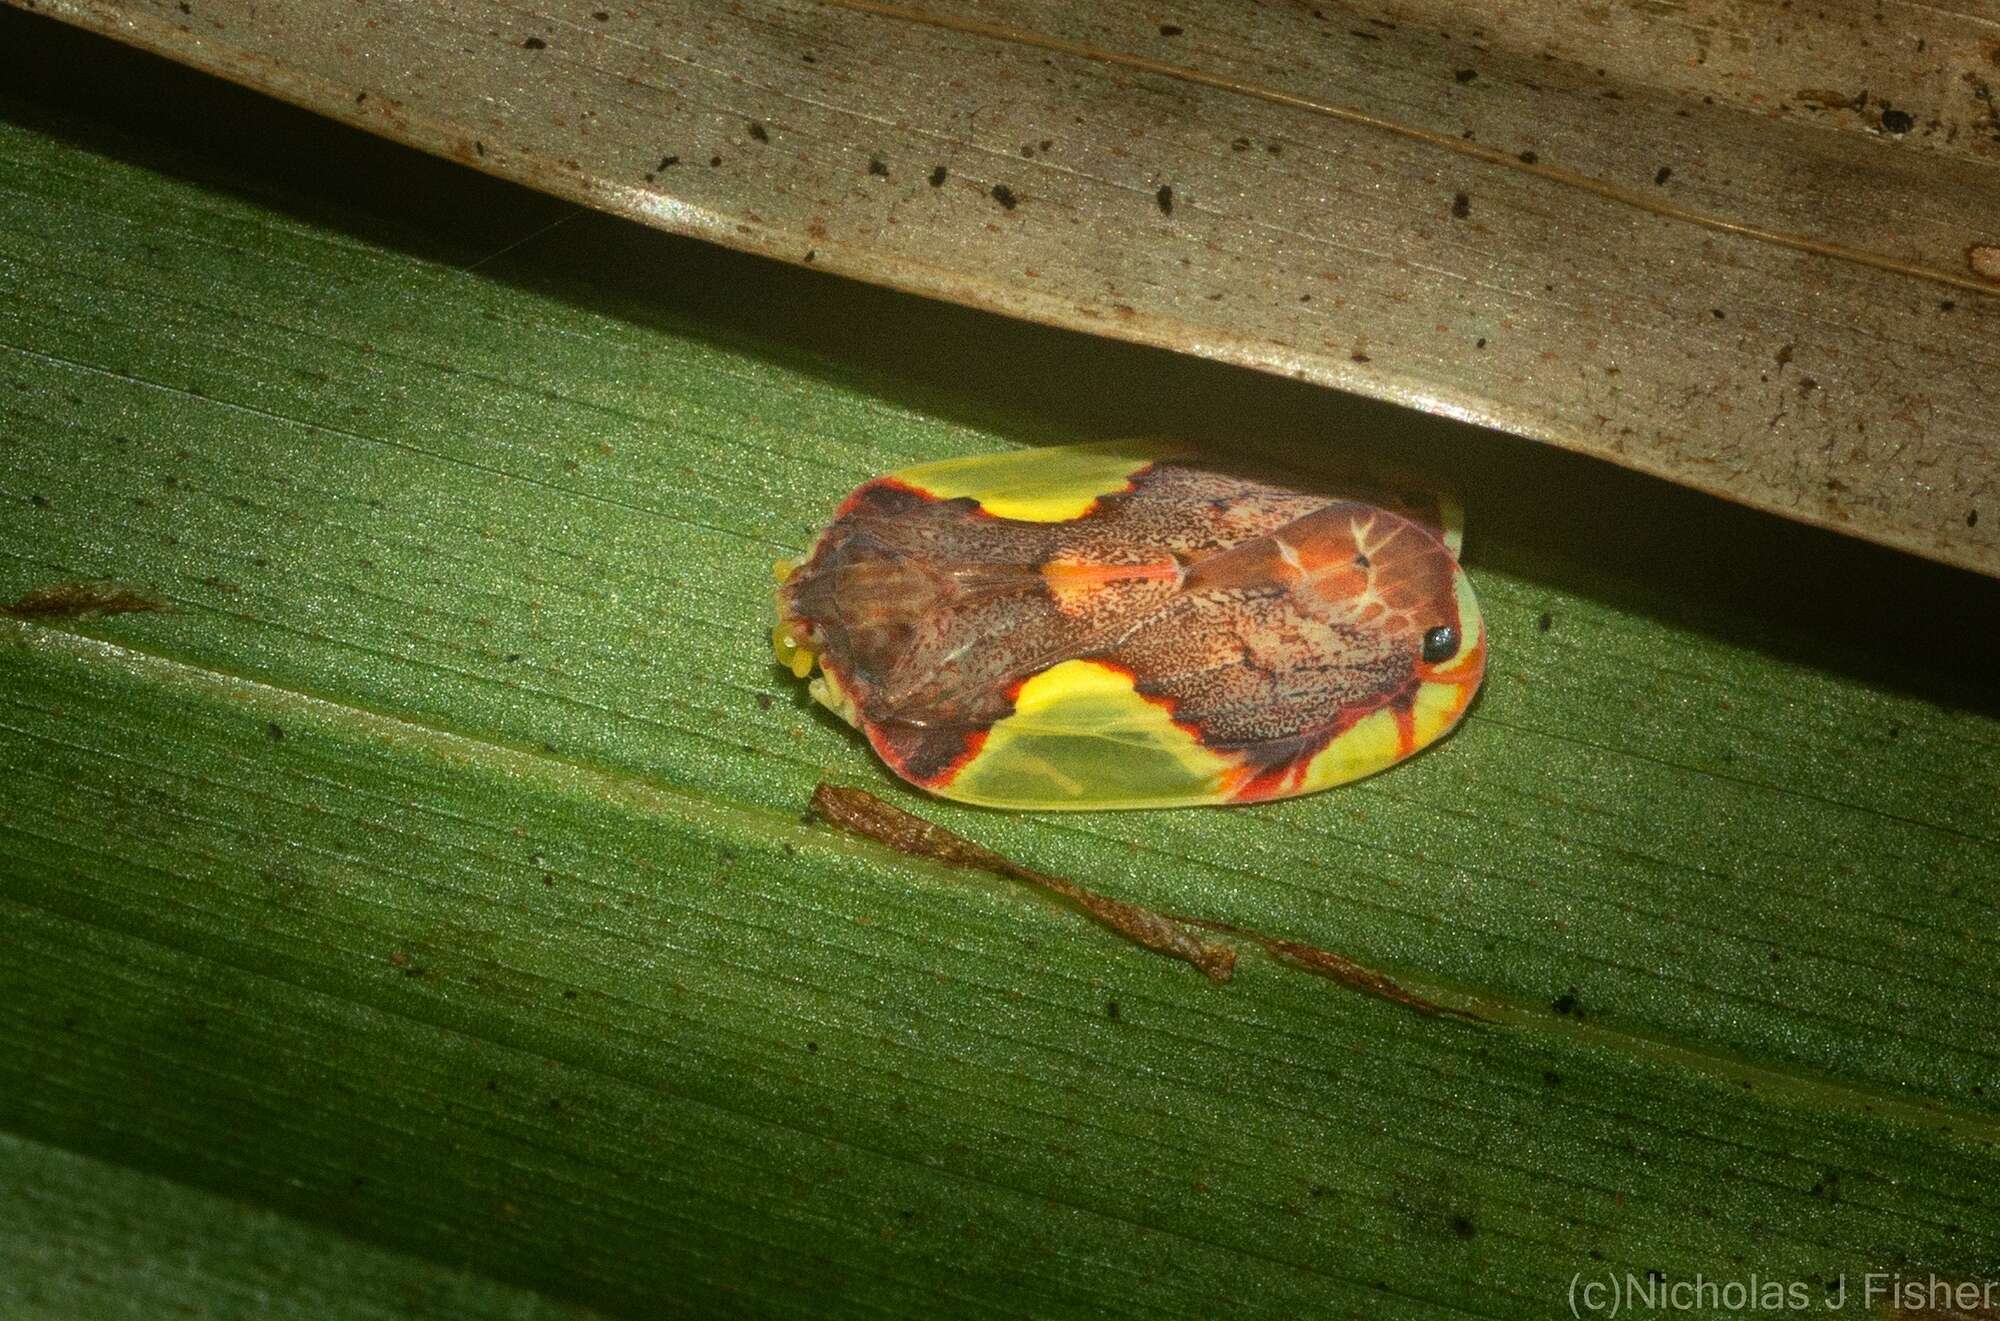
point(70, 600)
point(864, 814)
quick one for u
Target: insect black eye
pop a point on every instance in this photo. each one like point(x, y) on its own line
point(1440, 643)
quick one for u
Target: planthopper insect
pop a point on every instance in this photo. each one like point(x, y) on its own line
point(1133, 625)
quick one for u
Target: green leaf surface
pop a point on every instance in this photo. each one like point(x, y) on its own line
point(424, 895)
point(84, 1237)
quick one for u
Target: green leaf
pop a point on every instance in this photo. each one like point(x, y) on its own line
point(83, 1237)
point(429, 877)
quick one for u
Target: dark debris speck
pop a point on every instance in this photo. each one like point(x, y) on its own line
point(1664, 173)
point(534, 43)
point(1461, 205)
point(759, 132)
point(274, 731)
point(938, 176)
point(1465, 75)
point(1005, 196)
point(877, 167)
point(1165, 197)
point(1529, 158)
point(1898, 122)
point(714, 161)
point(1171, 29)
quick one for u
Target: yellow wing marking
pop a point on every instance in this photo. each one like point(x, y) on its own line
point(1040, 485)
point(1373, 743)
point(1471, 627)
point(1080, 737)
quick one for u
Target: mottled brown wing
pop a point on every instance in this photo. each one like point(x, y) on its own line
point(1281, 643)
point(935, 610)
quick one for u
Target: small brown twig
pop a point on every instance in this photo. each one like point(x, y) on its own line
point(1339, 968)
point(865, 814)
